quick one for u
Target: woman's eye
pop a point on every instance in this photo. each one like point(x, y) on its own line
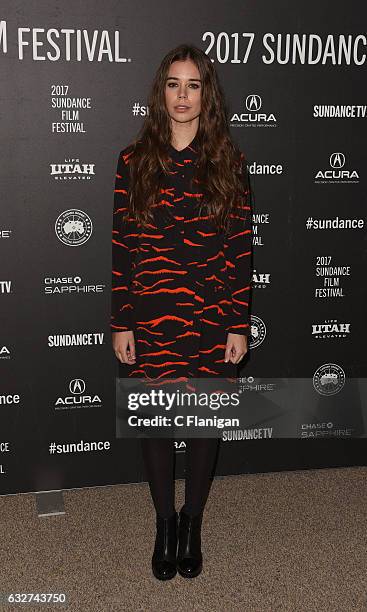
point(193, 85)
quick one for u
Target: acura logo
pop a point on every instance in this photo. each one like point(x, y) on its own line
point(253, 102)
point(337, 160)
point(77, 386)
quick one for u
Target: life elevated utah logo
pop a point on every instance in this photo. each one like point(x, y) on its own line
point(337, 172)
point(72, 169)
point(253, 115)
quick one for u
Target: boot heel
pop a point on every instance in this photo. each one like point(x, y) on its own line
point(189, 557)
point(165, 548)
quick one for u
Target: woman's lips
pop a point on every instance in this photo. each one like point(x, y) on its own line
point(181, 108)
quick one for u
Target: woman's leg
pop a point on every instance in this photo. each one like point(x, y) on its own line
point(201, 455)
point(159, 460)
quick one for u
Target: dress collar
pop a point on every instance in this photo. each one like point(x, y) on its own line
point(190, 150)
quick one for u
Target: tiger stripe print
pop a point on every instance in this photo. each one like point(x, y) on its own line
point(179, 284)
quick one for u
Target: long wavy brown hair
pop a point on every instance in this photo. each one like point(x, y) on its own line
point(220, 174)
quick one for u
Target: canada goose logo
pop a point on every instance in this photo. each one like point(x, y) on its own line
point(73, 227)
point(258, 331)
point(329, 379)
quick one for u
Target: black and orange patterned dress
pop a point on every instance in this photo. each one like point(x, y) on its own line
point(179, 284)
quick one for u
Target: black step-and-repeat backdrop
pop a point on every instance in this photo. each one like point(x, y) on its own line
point(74, 84)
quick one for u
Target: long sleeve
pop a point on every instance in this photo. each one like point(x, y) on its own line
point(124, 248)
point(238, 251)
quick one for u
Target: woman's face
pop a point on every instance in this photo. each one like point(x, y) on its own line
point(183, 91)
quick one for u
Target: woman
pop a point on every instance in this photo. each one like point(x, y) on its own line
point(181, 275)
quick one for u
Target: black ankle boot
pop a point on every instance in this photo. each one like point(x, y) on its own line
point(189, 557)
point(165, 548)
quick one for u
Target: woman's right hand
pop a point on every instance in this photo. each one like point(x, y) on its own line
point(124, 346)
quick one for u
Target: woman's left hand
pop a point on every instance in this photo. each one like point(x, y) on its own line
point(236, 348)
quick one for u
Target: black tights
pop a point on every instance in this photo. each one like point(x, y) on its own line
point(159, 460)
